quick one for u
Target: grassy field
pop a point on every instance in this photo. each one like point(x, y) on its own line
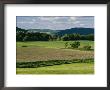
point(54, 50)
point(75, 68)
point(52, 44)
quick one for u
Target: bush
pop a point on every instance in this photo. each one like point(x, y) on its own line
point(75, 44)
point(87, 47)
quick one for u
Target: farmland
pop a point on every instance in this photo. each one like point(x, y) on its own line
point(54, 50)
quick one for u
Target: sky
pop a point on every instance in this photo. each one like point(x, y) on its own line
point(54, 22)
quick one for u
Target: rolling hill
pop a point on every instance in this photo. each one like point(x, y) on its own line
point(81, 31)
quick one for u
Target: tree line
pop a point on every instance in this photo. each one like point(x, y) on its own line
point(24, 35)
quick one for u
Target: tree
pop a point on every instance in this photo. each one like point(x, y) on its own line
point(66, 44)
point(65, 37)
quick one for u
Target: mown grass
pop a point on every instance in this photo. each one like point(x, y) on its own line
point(74, 68)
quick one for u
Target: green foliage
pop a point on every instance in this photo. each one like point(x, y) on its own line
point(31, 36)
point(50, 63)
point(25, 35)
point(25, 38)
point(75, 44)
point(87, 37)
point(65, 37)
point(66, 44)
point(69, 37)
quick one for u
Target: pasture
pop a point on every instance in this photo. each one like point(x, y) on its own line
point(52, 44)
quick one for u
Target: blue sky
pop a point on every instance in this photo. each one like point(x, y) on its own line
point(54, 22)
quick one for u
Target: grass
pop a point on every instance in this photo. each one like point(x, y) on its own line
point(52, 50)
point(75, 68)
point(52, 44)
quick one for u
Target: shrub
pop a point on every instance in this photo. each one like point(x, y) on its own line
point(66, 44)
point(75, 44)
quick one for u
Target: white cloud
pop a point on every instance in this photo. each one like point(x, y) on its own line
point(81, 24)
point(76, 22)
point(73, 18)
point(48, 18)
point(21, 22)
point(54, 22)
point(26, 22)
point(33, 20)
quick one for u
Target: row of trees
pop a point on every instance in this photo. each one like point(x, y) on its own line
point(33, 36)
point(68, 37)
point(23, 35)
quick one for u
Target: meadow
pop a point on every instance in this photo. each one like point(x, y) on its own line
point(75, 68)
point(52, 44)
point(54, 51)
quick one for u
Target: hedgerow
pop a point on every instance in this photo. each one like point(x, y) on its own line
point(50, 63)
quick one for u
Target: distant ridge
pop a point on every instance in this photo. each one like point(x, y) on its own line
point(49, 31)
point(80, 30)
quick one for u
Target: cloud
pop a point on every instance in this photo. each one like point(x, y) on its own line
point(76, 22)
point(21, 22)
point(73, 18)
point(81, 24)
point(31, 22)
point(54, 22)
point(48, 18)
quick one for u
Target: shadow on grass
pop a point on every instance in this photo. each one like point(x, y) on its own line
point(81, 49)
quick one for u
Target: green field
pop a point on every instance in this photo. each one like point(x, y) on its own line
point(54, 50)
point(76, 68)
point(52, 44)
